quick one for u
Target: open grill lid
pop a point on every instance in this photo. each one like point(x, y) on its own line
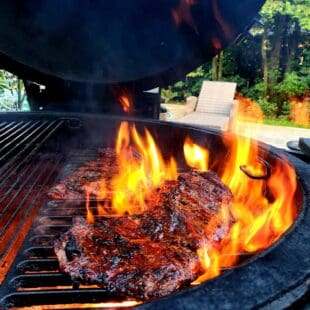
point(154, 42)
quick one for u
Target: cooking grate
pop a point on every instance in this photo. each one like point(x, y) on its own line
point(21, 182)
point(35, 276)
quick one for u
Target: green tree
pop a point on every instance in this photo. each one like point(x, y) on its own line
point(15, 86)
point(270, 66)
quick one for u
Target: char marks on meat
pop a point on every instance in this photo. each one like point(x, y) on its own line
point(87, 177)
point(152, 254)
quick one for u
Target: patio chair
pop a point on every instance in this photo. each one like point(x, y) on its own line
point(215, 107)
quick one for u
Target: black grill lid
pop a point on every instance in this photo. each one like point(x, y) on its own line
point(106, 41)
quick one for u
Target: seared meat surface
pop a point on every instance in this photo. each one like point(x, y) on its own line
point(87, 178)
point(152, 254)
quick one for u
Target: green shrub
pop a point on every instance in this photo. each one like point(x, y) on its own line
point(269, 108)
point(3, 86)
point(3, 82)
point(168, 94)
point(293, 85)
point(256, 92)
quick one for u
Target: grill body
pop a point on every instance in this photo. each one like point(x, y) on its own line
point(30, 272)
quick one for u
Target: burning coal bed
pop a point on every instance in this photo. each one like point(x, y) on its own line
point(159, 228)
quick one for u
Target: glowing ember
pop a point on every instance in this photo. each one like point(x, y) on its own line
point(102, 305)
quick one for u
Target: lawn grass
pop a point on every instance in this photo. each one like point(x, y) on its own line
point(282, 122)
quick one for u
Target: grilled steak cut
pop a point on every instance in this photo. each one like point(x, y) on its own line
point(152, 254)
point(87, 178)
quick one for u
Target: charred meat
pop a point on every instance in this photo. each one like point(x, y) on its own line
point(152, 254)
point(87, 178)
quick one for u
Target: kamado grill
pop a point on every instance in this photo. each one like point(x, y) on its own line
point(96, 60)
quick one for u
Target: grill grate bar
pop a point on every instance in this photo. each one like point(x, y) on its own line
point(12, 139)
point(42, 240)
point(40, 252)
point(40, 280)
point(28, 175)
point(10, 126)
point(7, 217)
point(2, 124)
point(11, 167)
point(46, 297)
point(27, 209)
point(27, 138)
point(38, 265)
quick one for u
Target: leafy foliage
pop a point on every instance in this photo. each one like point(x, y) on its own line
point(271, 66)
point(269, 108)
point(12, 93)
point(294, 85)
point(3, 82)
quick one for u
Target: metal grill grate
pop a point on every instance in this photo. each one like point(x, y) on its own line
point(22, 182)
point(35, 276)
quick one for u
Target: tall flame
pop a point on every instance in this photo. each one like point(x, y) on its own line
point(196, 156)
point(262, 209)
point(141, 169)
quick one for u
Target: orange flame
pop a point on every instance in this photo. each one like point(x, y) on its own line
point(89, 215)
point(196, 156)
point(262, 209)
point(141, 169)
point(209, 260)
point(126, 103)
point(102, 305)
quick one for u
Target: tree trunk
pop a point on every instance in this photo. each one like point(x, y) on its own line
point(264, 59)
point(19, 94)
point(276, 72)
point(277, 44)
point(214, 69)
point(220, 66)
point(217, 67)
point(292, 46)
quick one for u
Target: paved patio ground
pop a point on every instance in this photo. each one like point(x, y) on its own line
point(277, 136)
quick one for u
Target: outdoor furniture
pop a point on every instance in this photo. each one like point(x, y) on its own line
point(215, 107)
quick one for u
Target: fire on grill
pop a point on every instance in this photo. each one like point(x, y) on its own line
point(169, 206)
point(159, 227)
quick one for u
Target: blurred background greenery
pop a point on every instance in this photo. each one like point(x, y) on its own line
point(270, 64)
